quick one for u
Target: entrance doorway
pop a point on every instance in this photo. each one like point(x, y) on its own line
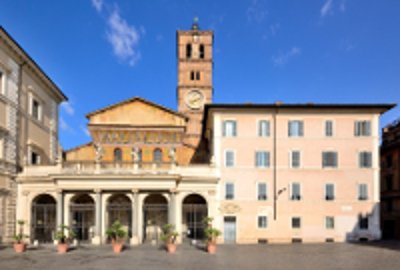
point(43, 218)
point(155, 216)
point(229, 230)
point(82, 216)
point(119, 207)
point(194, 210)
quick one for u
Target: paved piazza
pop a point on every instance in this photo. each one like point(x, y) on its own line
point(296, 256)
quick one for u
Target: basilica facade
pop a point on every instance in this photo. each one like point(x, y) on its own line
point(265, 172)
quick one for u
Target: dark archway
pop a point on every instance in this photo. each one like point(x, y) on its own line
point(119, 207)
point(194, 210)
point(82, 209)
point(43, 218)
point(155, 215)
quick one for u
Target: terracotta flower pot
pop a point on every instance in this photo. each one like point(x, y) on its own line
point(19, 247)
point(117, 247)
point(62, 248)
point(211, 248)
point(171, 248)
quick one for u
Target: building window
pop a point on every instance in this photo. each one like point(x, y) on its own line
point(329, 192)
point(117, 155)
point(35, 158)
point(329, 159)
point(229, 128)
point(362, 192)
point(295, 192)
point(157, 155)
point(229, 158)
point(262, 159)
point(36, 109)
point(198, 75)
point(365, 159)
point(229, 191)
point(389, 182)
point(328, 128)
point(192, 75)
point(262, 222)
point(201, 51)
point(263, 128)
point(389, 161)
point(296, 128)
point(262, 191)
point(296, 222)
point(362, 128)
point(363, 222)
point(188, 50)
point(295, 159)
point(329, 223)
point(1, 83)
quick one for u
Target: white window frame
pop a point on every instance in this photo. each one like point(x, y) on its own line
point(334, 192)
point(291, 159)
point(259, 128)
point(2, 147)
point(333, 223)
point(225, 189)
point(3, 79)
point(30, 152)
point(258, 191)
point(225, 158)
point(235, 131)
point(267, 160)
point(322, 159)
point(359, 159)
point(357, 122)
point(333, 128)
point(291, 191)
point(288, 127)
point(266, 222)
point(33, 97)
point(359, 193)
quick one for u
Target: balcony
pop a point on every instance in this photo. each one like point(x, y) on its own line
point(87, 168)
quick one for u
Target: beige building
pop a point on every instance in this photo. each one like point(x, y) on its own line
point(265, 172)
point(28, 123)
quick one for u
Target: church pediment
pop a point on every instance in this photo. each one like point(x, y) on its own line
point(136, 112)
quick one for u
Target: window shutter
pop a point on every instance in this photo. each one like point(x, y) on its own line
point(356, 129)
point(367, 128)
point(224, 128)
point(267, 157)
point(234, 128)
point(301, 128)
point(290, 128)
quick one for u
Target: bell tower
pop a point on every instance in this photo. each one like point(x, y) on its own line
point(195, 68)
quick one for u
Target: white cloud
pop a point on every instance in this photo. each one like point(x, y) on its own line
point(98, 5)
point(65, 127)
point(257, 11)
point(343, 6)
point(283, 58)
point(326, 8)
point(123, 37)
point(85, 130)
point(274, 28)
point(67, 107)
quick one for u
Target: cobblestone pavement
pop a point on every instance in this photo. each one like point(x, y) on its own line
point(291, 256)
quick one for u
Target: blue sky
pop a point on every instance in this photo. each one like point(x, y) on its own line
point(103, 51)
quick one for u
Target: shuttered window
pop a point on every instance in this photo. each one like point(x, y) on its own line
point(262, 159)
point(329, 159)
point(229, 128)
point(362, 128)
point(296, 128)
point(365, 159)
point(263, 128)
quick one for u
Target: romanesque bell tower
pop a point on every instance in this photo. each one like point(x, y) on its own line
point(195, 66)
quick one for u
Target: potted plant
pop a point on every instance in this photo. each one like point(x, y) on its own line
point(63, 235)
point(211, 234)
point(169, 236)
point(20, 245)
point(117, 234)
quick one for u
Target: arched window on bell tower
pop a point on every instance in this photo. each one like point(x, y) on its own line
point(157, 155)
point(201, 51)
point(188, 50)
point(117, 155)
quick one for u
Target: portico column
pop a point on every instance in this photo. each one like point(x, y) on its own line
point(97, 237)
point(174, 213)
point(60, 208)
point(135, 217)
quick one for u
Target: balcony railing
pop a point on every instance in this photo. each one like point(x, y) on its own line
point(115, 167)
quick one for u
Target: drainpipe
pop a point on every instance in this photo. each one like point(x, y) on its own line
point(274, 167)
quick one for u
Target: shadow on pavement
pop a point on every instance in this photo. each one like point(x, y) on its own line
point(384, 244)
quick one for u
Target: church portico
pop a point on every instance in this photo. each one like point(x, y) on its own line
point(90, 203)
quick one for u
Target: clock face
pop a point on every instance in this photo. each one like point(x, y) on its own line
point(194, 99)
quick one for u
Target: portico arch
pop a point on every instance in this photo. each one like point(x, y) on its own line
point(82, 208)
point(155, 215)
point(119, 207)
point(194, 210)
point(43, 218)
